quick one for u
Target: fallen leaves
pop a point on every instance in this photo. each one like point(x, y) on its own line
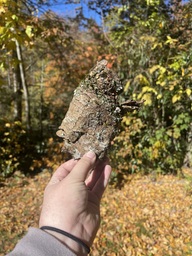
point(20, 203)
point(146, 217)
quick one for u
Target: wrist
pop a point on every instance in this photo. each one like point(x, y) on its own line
point(73, 243)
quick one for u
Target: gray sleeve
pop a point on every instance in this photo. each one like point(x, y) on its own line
point(39, 243)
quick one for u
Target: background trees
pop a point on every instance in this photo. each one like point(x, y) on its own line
point(154, 58)
point(43, 59)
point(44, 56)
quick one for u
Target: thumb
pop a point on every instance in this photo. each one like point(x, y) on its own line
point(84, 165)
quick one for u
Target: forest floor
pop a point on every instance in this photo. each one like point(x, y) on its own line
point(147, 216)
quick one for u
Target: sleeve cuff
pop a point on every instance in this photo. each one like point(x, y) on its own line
point(37, 242)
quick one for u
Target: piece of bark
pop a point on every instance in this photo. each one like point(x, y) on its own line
point(94, 113)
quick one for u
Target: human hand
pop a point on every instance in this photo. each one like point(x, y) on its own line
point(72, 200)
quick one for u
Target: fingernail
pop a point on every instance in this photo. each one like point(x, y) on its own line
point(90, 154)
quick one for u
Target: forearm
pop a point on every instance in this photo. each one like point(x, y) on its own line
point(37, 242)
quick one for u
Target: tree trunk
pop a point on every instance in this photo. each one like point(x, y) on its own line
point(24, 85)
point(17, 88)
point(188, 157)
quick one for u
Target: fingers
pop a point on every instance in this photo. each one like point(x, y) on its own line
point(78, 169)
point(102, 182)
point(96, 173)
point(62, 171)
point(84, 165)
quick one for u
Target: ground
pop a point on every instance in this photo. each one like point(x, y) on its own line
point(149, 215)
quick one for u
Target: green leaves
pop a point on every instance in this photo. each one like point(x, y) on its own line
point(158, 70)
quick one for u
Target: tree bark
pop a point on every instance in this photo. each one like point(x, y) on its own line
point(17, 89)
point(188, 156)
point(24, 85)
point(94, 113)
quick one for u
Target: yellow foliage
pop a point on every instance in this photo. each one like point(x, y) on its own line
point(175, 133)
point(152, 2)
point(162, 70)
point(176, 98)
point(148, 38)
point(158, 144)
point(171, 40)
point(148, 89)
point(154, 68)
point(161, 83)
point(126, 120)
point(28, 31)
point(127, 85)
point(188, 91)
point(171, 87)
point(156, 149)
point(7, 125)
point(159, 96)
point(147, 98)
point(142, 80)
point(2, 10)
point(17, 123)
point(146, 94)
point(1, 28)
point(155, 153)
point(157, 45)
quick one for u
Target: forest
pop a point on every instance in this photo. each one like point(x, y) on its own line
point(46, 49)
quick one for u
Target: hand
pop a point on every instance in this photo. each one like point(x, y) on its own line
point(72, 200)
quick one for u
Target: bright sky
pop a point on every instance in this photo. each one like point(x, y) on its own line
point(71, 10)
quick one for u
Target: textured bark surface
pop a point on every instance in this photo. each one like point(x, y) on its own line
point(94, 113)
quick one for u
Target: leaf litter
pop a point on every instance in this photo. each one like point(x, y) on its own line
point(145, 217)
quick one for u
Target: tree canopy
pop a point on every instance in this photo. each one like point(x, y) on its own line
point(44, 56)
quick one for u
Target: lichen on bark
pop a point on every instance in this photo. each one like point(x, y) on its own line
point(92, 119)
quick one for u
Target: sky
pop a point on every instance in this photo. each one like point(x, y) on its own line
point(71, 10)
